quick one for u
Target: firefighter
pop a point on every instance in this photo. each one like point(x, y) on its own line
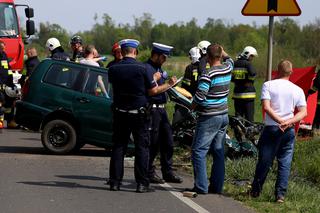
point(243, 76)
point(315, 88)
point(203, 61)
point(77, 48)
point(56, 50)
point(116, 52)
point(191, 73)
point(6, 80)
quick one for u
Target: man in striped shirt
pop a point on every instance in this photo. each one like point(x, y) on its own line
point(211, 104)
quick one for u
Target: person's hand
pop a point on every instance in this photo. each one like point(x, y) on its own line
point(172, 80)
point(157, 76)
point(285, 125)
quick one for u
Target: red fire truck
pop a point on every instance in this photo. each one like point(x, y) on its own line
point(11, 34)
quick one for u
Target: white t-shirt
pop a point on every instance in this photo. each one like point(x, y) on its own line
point(89, 62)
point(284, 97)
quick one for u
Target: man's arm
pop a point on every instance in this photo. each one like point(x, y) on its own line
point(267, 108)
point(162, 88)
point(302, 113)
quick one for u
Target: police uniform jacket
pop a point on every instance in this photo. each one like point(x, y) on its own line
point(243, 76)
point(190, 78)
point(130, 82)
point(152, 68)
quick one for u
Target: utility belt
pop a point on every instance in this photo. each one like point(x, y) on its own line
point(158, 106)
point(141, 110)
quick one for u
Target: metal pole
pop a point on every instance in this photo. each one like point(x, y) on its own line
point(270, 45)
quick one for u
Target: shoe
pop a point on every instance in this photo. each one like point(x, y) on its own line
point(156, 179)
point(172, 178)
point(254, 194)
point(142, 188)
point(280, 199)
point(211, 190)
point(194, 189)
point(114, 187)
point(12, 125)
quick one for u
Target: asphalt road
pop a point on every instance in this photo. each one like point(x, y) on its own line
point(33, 181)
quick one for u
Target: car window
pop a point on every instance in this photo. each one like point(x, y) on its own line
point(98, 85)
point(62, 75)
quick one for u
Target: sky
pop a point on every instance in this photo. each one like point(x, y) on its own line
point(78, 15)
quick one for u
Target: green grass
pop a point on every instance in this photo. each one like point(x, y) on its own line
point(304, 185)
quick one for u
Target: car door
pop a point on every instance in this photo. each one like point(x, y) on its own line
point(92, 108)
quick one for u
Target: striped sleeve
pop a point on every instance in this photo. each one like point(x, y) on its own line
point(203, 88)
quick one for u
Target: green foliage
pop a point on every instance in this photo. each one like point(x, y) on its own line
point(291, 41)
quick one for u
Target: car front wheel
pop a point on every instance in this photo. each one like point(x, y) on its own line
point(59, 137)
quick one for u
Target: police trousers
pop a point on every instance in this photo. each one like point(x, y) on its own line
point(125, 123)
point(161, 139)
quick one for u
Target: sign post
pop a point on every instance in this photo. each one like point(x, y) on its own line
point(271, 8)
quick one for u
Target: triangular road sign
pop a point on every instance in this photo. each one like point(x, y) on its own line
point(271, 8)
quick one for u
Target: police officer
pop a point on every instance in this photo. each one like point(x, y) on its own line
point(191, 73)
point(77, 48)
point(56, 50)
point(243, 76)
point(116, 52)
point(131, 86)
point(6, 80)
point(203, 61)
point(161, 132)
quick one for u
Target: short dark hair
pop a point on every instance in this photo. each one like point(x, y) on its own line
point(214, 51)
point(127, 50)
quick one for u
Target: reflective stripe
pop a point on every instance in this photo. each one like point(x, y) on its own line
point(207, 66)
point(10, 72)
point(239, 74)
point(251, 77)
point(5, 64)
point(244, 95)
point(186, 81)
point(24, 72)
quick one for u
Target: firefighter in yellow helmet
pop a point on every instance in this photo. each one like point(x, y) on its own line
point(243, 76)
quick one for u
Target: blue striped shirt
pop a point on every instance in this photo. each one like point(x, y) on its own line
point(213, 89)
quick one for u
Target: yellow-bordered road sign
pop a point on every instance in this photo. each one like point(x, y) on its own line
point(271, 8)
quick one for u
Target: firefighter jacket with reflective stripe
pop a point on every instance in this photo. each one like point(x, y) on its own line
point(243, 76)
point(203, 64)
point(5, 72)
point(190, 78)
point(316, 86)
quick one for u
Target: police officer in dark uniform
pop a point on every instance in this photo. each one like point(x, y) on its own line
point(190, 78)
point(243, 76)
point(161, 132)
point(6, 79)
point(131, 86)
point(77, 48)
point(56, 50)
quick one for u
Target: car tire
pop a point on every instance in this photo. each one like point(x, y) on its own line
point(59, 137)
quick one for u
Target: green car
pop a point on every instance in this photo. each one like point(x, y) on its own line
point(69, 103)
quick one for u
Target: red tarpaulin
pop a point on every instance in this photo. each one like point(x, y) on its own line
point(303, 77)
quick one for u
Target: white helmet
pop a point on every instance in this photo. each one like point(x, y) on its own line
point(52, 43)
point(194, 54)
point(14, 92)
point(203, 45)
point(247, 51)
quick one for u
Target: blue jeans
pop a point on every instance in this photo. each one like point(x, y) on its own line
point(210, 134)
point(274, 143)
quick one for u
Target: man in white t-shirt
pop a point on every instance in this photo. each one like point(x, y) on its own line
point(280, 98)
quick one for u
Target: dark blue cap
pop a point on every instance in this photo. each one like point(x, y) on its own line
point(129, 43)
point(162, 48)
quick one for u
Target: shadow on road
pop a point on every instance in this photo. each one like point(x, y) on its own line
point(88, 152)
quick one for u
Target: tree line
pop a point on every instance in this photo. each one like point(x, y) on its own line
point(301, 44)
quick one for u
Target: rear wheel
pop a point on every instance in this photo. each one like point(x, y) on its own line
point(59, 137)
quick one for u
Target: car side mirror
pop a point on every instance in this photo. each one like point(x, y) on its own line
point(30, 27)
point(29, 12)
